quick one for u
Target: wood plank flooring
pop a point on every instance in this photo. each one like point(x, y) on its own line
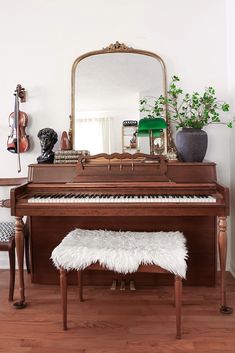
point(142, 321)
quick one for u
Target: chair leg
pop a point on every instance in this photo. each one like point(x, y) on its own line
point(63, 289)
point(80, 286)
point(11, 253)
point(26, 245)
point(178, 303)
point(26, 249)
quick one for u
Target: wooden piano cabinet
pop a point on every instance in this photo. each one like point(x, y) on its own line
point(200, 232)
point(123, 174)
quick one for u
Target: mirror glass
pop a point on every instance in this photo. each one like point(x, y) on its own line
point(107, 89)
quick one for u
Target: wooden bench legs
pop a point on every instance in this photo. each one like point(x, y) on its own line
point(178, 304)
point(63, 288)
point(80, 286)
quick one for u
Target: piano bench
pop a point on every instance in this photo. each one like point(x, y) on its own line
point(122, 252)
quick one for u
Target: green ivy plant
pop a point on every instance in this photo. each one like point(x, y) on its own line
point(186, 110)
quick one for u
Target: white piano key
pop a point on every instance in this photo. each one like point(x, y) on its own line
point(88, 198)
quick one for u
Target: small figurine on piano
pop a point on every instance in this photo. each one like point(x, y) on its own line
point(133, 140)
point(48, 137)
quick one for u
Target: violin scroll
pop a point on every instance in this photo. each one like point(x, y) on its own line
point(21, 93)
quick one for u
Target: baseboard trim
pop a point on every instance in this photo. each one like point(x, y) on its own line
point(4, 260)
point(232, 269)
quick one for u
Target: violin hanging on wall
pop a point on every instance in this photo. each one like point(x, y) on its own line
point(18, 140)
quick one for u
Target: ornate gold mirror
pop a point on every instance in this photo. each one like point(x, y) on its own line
point(106, 87)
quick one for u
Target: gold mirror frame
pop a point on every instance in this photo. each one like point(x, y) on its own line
point(120, 48)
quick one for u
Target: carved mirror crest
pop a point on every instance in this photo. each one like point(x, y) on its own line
point(106, 87)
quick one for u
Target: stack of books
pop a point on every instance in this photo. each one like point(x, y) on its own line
point(69, 156)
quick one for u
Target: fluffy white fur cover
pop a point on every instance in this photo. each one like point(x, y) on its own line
point(122, 251)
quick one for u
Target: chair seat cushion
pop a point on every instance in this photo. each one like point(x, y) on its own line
point(122, 252)
point(7, 231)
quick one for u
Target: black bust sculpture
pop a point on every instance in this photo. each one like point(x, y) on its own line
point(48, 137)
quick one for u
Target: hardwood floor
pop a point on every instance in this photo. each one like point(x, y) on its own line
point(142, 321)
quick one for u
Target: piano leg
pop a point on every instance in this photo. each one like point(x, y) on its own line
point(19, 241)
point(222, 244)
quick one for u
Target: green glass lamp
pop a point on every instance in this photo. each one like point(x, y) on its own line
point(152, 127)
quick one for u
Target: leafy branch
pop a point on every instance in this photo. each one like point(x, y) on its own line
point(186, 110)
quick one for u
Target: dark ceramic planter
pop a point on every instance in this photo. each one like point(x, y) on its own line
point(191, 144)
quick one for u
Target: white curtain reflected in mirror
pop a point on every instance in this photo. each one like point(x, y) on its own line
point(94, 135)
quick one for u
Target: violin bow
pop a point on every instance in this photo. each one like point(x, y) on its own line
point(19, 93)
point(17, 130)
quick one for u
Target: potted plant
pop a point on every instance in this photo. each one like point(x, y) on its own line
point(190, 113)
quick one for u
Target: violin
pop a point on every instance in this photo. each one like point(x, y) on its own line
point(18, 140)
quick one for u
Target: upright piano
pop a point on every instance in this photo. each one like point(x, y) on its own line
point(124, 192)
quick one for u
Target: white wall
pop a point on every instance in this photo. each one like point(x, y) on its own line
point(231, 85)
point(40, 40)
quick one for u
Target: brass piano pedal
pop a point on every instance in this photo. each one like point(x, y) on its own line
point(114, 284)
point(132, 284)
point(123, 285)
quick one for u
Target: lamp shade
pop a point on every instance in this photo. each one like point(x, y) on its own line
point(154, 125)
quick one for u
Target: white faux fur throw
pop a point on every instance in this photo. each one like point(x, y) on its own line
point(122, 251)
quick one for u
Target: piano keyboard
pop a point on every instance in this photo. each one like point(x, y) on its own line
point(107, 198)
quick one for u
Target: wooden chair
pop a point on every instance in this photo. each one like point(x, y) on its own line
point(65, 256)
point(7, 235)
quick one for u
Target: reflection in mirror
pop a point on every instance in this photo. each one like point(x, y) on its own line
point(106, 90)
